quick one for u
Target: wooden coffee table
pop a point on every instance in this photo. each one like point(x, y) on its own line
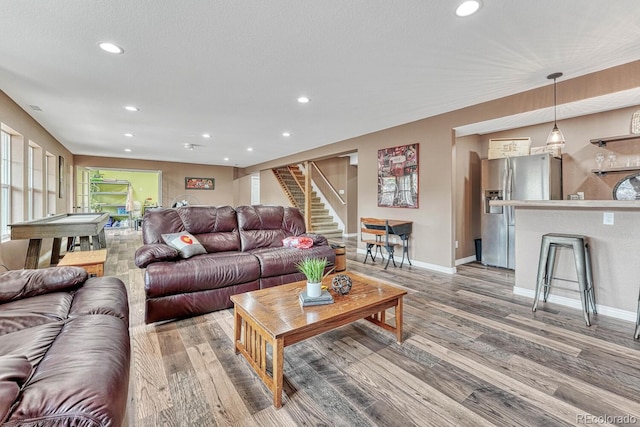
point(275, 317)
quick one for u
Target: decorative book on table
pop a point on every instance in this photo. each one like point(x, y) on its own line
point(324, 298)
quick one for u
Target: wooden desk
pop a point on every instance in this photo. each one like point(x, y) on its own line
point(381, 229)
point(92, 261)
point(274, 316)
point(85, 225)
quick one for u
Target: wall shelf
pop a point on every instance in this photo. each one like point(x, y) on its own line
point(111, 197)
point(616, 170)
point(602, 142)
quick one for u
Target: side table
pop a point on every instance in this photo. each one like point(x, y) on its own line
point(92, 261)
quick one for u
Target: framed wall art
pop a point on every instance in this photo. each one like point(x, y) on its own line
point(398, 176)
point(199, 183)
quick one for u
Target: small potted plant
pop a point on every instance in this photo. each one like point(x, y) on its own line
point(313, 269)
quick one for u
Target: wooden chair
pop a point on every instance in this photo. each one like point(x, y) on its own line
point(374, 232)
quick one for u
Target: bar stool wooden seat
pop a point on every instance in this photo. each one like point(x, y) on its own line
point(580, 245)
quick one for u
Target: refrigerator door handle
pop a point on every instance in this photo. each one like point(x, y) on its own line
point(508, 194)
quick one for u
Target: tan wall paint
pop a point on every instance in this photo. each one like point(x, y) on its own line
point(467, 194)
point(12, 254)
point(434, 223)
point(270, 191)
point(173, 175)
point(336, 172)
point(578, 157)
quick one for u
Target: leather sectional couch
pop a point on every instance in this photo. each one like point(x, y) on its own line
point(244, 252)
point(64, 348)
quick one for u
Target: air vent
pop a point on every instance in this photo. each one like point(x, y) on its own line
point(35, 108)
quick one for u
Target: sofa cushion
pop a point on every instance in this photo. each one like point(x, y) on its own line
point(265, 226)
point(101, 295)
point(14, 370)
point(18, 284)
point(185, 243)
point(81, 380)
point(207, 271)
point(33, 343)
point(282, 261)
point(159, 221)
point(29, 312)
point(215, 227)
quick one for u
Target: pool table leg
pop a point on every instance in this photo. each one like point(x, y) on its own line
point(33, 254)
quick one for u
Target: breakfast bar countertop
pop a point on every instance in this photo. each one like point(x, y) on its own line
point(569, 204)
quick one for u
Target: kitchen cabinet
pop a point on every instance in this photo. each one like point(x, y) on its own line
point(111, 196)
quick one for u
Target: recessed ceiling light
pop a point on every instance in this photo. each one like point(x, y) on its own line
point(249, 149)
point(131, 108)
point(468, 7)
point(303, 100)
point(206, 135)
point(128, 150)
point(129, 135)
point(226, 159)
point(110, 47)
point(286, 133)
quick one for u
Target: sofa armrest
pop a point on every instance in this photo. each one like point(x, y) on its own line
point(155, 252)
point(318, 239)
point(19, 284)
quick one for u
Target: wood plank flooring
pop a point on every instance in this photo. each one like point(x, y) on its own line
point(474, 355)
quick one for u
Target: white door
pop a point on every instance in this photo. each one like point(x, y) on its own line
point(255, 189)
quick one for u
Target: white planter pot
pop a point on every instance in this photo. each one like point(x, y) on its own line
point(314, 289)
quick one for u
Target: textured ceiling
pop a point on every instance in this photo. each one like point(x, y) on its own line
point(235, 68)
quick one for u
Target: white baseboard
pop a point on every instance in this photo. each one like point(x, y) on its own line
point(466, 260)
point(434, 267)
point(575, 303)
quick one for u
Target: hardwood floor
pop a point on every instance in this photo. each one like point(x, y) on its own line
point(474, 354)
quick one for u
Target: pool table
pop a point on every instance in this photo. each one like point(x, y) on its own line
point(84, 225)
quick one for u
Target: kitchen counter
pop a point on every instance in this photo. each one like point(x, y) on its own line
point(569, 204)
point(613, 228)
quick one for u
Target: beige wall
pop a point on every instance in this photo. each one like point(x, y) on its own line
point(432, 243)
point(15, 120)
point(614, 250)
point(578, 157)
point(270, 191)
point(173, 175)
point(467, 195)
point(339, 172)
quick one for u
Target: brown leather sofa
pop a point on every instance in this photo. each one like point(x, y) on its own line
point(64, 348)
point(244, 253)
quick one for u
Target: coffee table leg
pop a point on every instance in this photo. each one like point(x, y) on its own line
point(399, 321)
point(237, 325)
point(278, 368)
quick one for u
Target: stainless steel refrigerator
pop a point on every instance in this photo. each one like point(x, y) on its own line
point(536, 177)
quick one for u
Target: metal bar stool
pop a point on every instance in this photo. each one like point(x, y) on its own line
point(582, 256)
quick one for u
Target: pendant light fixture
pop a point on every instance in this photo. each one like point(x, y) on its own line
point(555, 137)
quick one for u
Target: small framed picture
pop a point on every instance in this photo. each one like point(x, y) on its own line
point(199, 183)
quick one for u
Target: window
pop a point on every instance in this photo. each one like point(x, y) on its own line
point(35, 197)
point(30, 179)
point(50, 184)
point(5, 184)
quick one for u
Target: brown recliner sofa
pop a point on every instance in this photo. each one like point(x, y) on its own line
point(244, 252)
point(64, 348)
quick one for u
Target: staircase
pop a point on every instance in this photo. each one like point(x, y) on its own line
point(291, 180)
